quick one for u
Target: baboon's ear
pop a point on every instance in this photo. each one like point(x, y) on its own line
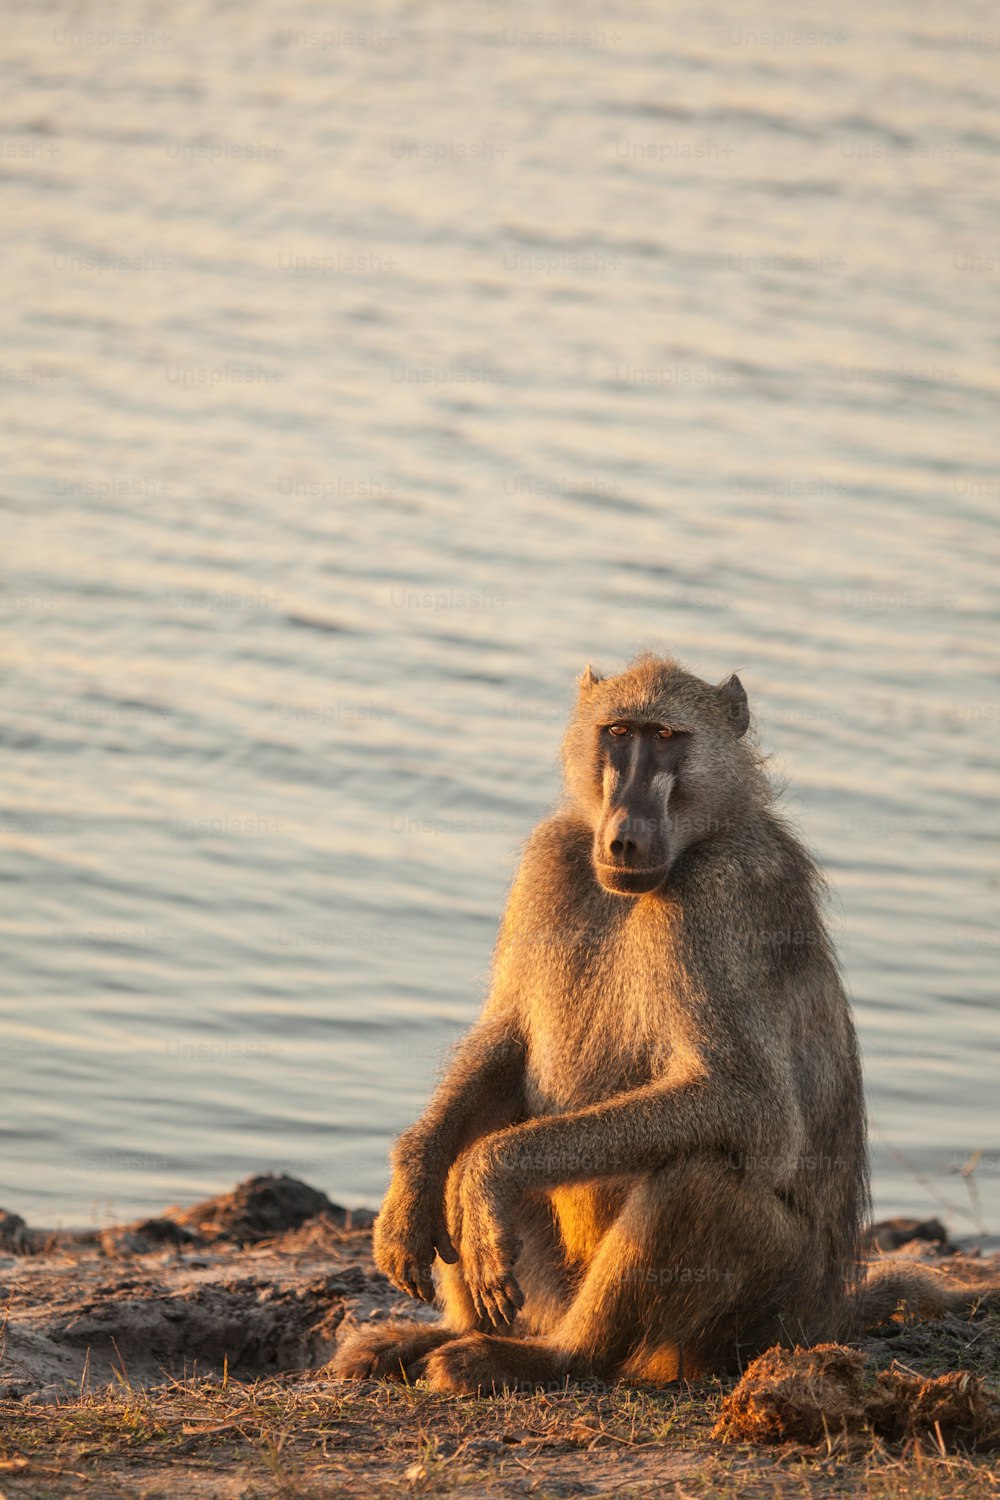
point(589, 680)
point(734, 700)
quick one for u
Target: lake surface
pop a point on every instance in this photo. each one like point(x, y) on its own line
point(365, 374)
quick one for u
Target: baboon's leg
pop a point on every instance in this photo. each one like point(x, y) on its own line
point(588, 1327)
point(596, 1332)
point(480, 1360)
point(666, 1295)
point(692, 1276)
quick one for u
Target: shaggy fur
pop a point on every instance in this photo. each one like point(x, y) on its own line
point(648, 1158)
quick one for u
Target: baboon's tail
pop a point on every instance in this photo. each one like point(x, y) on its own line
point(922, 1291)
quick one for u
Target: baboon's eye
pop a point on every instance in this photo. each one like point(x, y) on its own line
point(618, 729)
point(665, 733)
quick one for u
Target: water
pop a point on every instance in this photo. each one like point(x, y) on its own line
point(364, 377)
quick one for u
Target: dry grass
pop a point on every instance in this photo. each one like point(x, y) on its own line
point(307, 1438)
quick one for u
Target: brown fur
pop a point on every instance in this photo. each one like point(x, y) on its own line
point(923, 1290)
point(648, 1158)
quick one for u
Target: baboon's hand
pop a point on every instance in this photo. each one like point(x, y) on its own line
point(408, 1231)
point(488, 1246)
point(489, 1250)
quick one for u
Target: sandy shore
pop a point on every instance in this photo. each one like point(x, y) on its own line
point(185, 1355)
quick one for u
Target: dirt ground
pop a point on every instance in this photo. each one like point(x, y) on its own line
point(184, 1356)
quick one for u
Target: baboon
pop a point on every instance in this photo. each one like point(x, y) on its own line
point(648, 1158)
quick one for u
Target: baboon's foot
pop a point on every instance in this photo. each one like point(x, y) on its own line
point(483, 1364)
point(393, 1351)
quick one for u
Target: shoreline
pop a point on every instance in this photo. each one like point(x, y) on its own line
point(186, 1354)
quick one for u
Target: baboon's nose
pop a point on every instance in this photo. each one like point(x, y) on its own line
point(625, 843)
point(623, 848)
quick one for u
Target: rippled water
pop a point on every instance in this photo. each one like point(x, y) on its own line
point(363, 378)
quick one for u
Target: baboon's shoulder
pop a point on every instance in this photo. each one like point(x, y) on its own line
point(554, 885)
point(753, 917)
point(563, 834)
point(557, 853)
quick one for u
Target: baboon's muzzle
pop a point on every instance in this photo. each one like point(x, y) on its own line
point(630, 854)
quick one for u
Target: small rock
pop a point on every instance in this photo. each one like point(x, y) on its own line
point(890, 1234)
point(14, 1231)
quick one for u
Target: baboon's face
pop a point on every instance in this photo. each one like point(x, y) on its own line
point(637, 838)
point(652, 761)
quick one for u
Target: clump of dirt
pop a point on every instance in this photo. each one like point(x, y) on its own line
point(255, 1210)
point(956, 1407)
point(800, 1396)
point(810, 1395)
point(145, 1235)
point(325, 1234)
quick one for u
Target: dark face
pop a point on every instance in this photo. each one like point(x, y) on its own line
point(636, 839)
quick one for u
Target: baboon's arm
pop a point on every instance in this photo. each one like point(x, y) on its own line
point(481, 1094)
point(642, 1129)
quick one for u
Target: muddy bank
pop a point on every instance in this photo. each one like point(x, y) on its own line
point(255, 1282)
